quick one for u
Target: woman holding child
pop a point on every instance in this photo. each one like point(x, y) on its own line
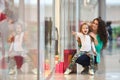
point(99, 35)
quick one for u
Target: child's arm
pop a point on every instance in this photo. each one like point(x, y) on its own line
point(11, 47)
point(78, 34)
point(74, 33)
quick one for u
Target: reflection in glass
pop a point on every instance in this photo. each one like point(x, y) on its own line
point(20, 46)
point(49, 36)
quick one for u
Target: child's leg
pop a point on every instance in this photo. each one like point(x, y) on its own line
point(19, 61)
point(11, 65)
point(91, 64)
point(75, 57)
point(72, 63)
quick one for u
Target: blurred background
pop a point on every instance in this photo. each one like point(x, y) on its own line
point(47, 25)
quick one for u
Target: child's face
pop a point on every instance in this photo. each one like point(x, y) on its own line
point(18, 28)
point(85, 29)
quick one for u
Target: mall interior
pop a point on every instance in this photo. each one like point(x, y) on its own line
point(36, 42)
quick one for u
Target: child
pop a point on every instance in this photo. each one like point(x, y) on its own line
point(86, 47)
point(16, 50)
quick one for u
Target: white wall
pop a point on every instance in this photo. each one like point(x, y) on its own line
point(113, 13)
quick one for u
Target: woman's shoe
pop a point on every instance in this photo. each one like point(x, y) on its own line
point(85, 70)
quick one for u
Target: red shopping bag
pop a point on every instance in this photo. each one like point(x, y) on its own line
point(68, 54)
point(47, 66)
point(59, 68)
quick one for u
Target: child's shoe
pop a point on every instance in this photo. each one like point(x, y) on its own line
point(68, 71)
point(11, 71)
point(34, 71)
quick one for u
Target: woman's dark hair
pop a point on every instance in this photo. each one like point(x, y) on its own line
point(102, 31)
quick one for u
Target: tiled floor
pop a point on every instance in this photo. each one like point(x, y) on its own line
point(98, 76)
point(109, 69)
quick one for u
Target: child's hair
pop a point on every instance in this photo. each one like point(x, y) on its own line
point(80, 29)
point(18, 23)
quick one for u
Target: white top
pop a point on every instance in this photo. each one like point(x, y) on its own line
point(17, 44)
point(87, 44)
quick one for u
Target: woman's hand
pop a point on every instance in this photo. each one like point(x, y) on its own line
point(93, 37)
point(94, 53)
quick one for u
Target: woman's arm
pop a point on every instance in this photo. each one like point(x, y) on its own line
point(93, 36)
point(93, 48)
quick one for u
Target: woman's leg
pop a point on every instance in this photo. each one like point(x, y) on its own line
point(95, 64)
point(84, 60)
point(11, 65)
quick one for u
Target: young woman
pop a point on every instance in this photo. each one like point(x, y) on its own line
point(87, 45)
point(99, 35)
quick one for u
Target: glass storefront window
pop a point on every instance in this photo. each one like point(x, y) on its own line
point(46, 37)
point(19, 40)
point(37, 31)
point(69, 18)
point(88, 9)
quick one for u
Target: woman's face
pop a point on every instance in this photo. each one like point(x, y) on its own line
point(95, 25)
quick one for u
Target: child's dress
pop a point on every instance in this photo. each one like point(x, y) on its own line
point(16, 50)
